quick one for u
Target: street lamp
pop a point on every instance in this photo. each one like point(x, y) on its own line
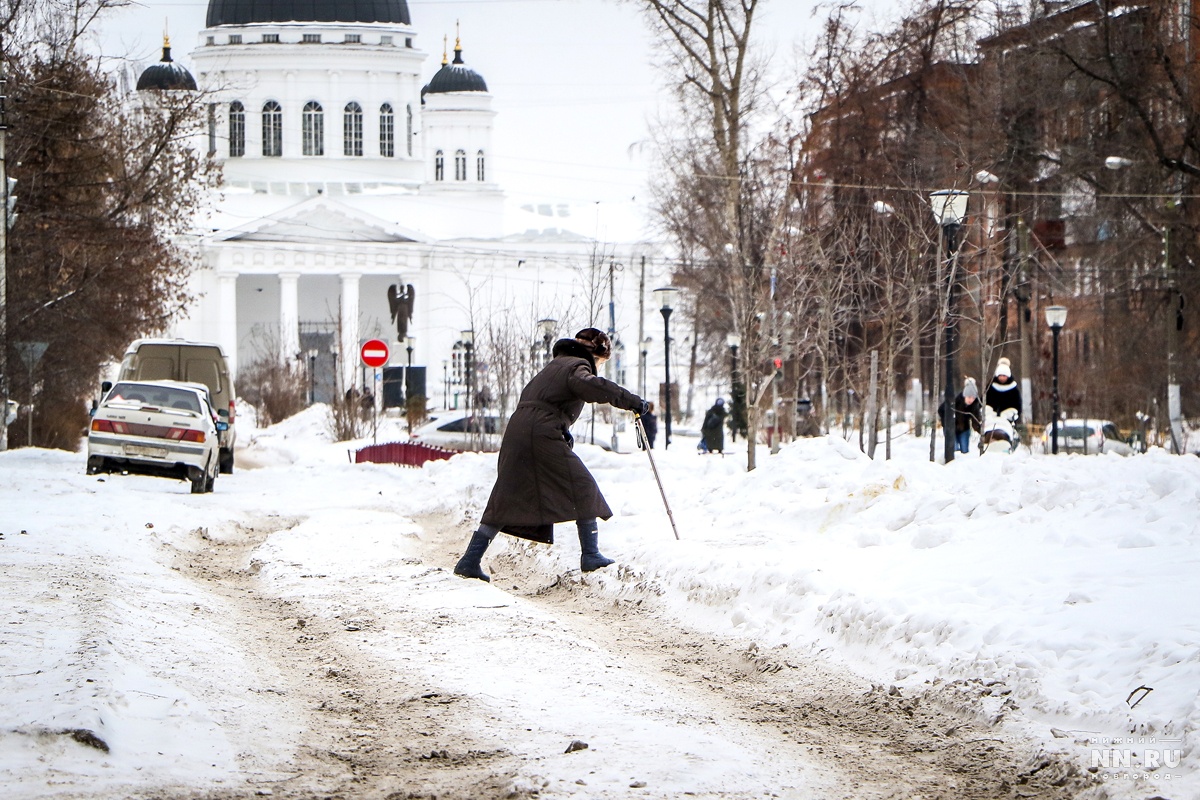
point(1056, 318)
point(734, 340)
point(950, 211)
point(664, 297)
point(446, 383)
point(468, 340)
point(547, 326)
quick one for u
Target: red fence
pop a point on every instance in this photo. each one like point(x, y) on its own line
point(405, 454)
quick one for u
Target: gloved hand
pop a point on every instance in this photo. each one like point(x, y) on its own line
point(643, 408)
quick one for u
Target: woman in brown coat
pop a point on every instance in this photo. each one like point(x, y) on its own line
point(539, 480)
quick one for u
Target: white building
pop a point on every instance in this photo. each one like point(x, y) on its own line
point(346, 174)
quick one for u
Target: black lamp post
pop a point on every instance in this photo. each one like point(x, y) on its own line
point(468, 340)
point(547, 326)
point(950, 210)
point(445, 383)
point(664, 297)
point(734, 340)
point(1056, 318)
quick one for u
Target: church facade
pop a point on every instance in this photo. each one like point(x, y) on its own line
point(358, 201)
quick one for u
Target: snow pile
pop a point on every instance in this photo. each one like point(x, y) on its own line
point(1063, 589)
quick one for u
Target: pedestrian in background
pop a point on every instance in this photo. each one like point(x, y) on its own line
point(1003, 393)
point(712, 430)
point(968, 415)
point(539, 480)
point(650, 424)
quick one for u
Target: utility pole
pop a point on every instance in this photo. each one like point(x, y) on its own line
point(1174, 318)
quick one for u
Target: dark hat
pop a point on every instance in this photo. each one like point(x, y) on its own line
point(596, 341)
point(720, 401)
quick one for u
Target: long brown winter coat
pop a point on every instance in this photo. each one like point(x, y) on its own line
point(539, 481)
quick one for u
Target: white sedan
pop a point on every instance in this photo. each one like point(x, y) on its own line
point(156, 427)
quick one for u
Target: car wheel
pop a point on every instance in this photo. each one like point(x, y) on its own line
point(227, 462)
point(95, 465)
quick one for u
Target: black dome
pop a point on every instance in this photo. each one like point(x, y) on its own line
point(455, 77)
point(166, 75)
point(243, 12)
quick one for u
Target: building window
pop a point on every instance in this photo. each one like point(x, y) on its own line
point(352, 134)
point(237, 129)
point(353, 38)
point(312, 129)
point(480, 174)
point(439, 166)
point(310, 38)
point(270, 38)
point(385, 40)
point(210, 40)
point(387, 131)
point(272, 129)
point(460, 165)
point(235, 38)
point(409, 130)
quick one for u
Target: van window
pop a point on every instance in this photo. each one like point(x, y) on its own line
point(203, 371)
point(155, 369)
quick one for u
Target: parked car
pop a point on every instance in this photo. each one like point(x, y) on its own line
point(461, 431)
point(1087, 436)
point(165, 428)
point(196, 362)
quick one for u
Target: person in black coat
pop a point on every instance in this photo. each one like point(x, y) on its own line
point(650, 423)
point(712, 430)
point(539, 480)
point(1003, 393)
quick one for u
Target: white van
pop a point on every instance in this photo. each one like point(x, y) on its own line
point(192, 362)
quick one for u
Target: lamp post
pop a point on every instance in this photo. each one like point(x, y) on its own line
point(446, 383)
point(547, 326)
point(1056, 318)
point(312, 376)
point(468, 340)
point(950, 210)
point(664, 298)
point(734, 340)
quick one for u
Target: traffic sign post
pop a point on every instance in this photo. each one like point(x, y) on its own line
point(375, 354)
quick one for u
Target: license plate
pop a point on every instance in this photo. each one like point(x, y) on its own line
point(148, 452)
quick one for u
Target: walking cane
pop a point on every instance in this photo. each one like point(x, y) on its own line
point(646, 442)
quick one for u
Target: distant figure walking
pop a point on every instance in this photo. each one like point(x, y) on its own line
point(1003, 393)
point(968, 415)
point(712, 430)
point(650, 423)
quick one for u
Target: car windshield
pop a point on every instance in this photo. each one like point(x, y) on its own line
point(1075, 431)
point(157, 396)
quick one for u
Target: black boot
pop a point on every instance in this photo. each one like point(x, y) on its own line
point(590, 558)
point(468, 566)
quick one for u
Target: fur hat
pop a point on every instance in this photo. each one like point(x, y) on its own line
point(969, 388)
point(596, 342)
point(1004, 368)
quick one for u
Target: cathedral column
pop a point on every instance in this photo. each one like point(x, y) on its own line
point(349, 330)
point(289, 316)
point(227, 330)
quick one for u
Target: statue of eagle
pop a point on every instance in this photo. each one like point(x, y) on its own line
point(400, 302)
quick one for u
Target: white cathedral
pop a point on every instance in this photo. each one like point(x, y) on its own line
point(359, 202)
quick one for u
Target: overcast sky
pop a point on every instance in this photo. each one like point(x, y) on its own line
point(572, 79)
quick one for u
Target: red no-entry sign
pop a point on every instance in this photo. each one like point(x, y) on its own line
point(374, 353)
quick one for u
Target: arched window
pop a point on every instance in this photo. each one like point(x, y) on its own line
point(237, 129)
point(352, 136)
point(409, 134)
point(460, 165)
point(439, 166)
point(387, 131)
point(480, 174)
point(312, 129)
point(272, 129)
